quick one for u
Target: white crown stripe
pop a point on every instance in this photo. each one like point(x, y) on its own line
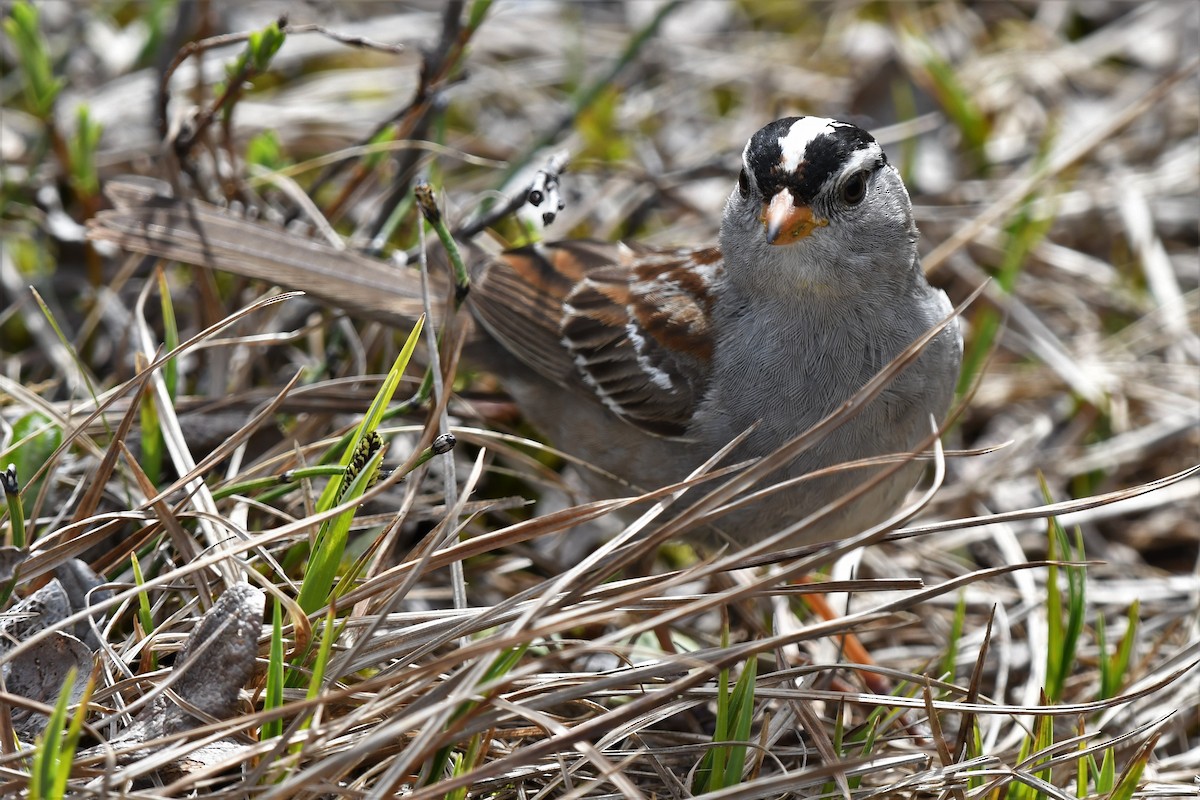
point(794, 145)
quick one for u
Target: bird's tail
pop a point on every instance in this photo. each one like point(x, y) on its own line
point(147, 218)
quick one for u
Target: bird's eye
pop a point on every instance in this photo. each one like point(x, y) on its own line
point(855, 189)
point(744, 183)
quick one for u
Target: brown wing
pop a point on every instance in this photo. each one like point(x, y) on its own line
point(631, 326)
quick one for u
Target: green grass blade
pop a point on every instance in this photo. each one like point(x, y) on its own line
point(327, 554)
point(273, 696)
point(39, 84)
point(331, 539)
point(66, 343)
point(82, 149)
point(1106, 773)
point(328, 633)
point(1119, 664)
point(170, 367)
point(316, 678)
point(1127, 784)
point(1081, 764)
point(145, 613)
point(1023, 232)
point(975, 750)
point(1043, 741)
point(950, 660)
point(941, 80)
point(48, 755)
point(742, 716)
point(152, 438)
point(374, 415)
point(67, 754)
point(1064, 626)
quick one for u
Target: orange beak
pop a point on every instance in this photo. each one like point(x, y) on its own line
point(787, 223)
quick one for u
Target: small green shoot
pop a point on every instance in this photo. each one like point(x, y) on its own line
point(170, 367)
point(145, 614)
point(261, 47)
point(1064, 626)
point(255, 58)
point(265, 152)
point(55, 750)
point(461, 763)
point(1114, 667)
point(264, 44)
point(1127, 784)
point(152, 438)
point(950, 659)
point(38, 82)
point(866, 736)
point(82, 148)
point(1040, 742)
point(1106, 773)
point(974, 751)
point(838, 740)
point(273, 696)
point(725, 761)
point(329, 632)
point(1082, 764)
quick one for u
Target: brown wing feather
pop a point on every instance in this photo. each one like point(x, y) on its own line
point(628, 325)
point(518, 297)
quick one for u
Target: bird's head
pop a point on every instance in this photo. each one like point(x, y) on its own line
point(817, 206)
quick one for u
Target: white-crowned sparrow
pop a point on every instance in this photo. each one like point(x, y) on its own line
point(645, 362)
